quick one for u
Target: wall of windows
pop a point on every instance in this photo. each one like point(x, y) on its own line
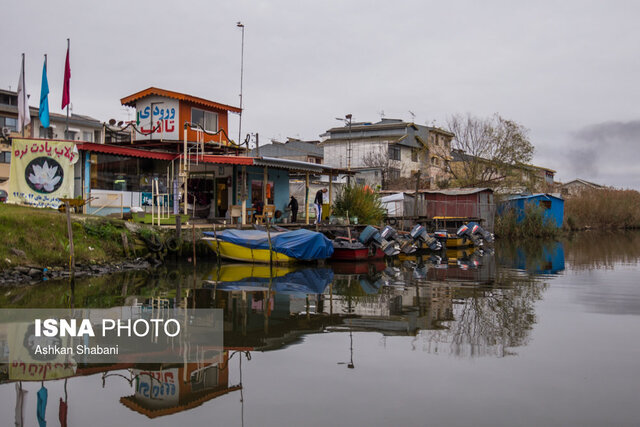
point(120, 173)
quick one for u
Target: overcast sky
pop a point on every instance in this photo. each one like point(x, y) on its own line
point(568, 70)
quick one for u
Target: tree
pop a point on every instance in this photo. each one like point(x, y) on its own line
point(489, 150)
point(379, 159)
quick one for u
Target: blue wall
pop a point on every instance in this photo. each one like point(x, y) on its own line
point(280, 179)
point(555, 214)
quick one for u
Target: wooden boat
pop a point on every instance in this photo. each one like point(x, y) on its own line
point(346, 250)
point(278, 247)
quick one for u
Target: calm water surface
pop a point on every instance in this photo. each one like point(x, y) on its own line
point(547, 334)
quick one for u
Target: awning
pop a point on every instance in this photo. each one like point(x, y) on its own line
point(299, 166)
point(125, 151)
point(225, 160)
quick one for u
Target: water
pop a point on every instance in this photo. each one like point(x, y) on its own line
point(546, 334)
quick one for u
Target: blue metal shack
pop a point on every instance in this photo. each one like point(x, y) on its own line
point(553, 206)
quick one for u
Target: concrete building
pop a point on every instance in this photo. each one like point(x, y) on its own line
point(577, 186)
point(294, 149)
point(388, 150)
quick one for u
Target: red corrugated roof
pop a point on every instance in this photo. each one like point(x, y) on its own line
point(136, 152)
point(125, 151)
point(131, 99)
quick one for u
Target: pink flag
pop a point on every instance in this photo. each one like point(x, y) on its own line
point(66, 97)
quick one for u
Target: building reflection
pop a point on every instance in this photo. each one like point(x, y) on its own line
point(465, 304)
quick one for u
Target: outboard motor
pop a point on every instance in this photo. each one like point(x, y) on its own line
point(477, 230)
point(406, 246)
point(441, 237)
point(419, 233)
point(475, 233)
point(465, 232)
point(371, 236)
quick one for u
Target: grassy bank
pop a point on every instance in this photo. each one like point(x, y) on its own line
point(603, 209)
point(38, 237)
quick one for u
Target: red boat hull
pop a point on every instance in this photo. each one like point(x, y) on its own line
point(355, 254)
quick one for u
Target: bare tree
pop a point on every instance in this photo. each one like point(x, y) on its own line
point(379, 159)
point(489, 149)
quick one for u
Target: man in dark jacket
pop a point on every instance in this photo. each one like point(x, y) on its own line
point(293, 204)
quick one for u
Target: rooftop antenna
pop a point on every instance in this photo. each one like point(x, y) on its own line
point(381, 113)
point(413, 116)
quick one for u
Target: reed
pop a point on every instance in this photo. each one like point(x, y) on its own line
point(603, 209)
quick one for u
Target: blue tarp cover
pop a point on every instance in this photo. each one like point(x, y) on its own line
point(299, 282)
point(300, 244)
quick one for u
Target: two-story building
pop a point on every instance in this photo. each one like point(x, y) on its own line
point(388, 150)
point(76, 128)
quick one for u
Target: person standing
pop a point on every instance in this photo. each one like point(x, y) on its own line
point(293, 204)
point(318, 204)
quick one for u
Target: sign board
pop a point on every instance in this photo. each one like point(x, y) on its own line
point(42, 172)
point(158, 116)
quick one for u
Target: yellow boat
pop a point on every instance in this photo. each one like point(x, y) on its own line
point(263, 247)
point(242, 253)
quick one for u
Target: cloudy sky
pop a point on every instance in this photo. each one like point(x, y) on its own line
point(568, 71)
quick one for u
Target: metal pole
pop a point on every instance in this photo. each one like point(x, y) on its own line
point(241, 26)
point(69, 52)
point(306, 198)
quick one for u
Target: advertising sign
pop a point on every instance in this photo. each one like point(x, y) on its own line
point(42, 172)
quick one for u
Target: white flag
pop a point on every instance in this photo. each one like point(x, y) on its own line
point(24, 118)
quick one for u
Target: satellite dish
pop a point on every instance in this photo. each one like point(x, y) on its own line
point(120, 123)
point(112, 122)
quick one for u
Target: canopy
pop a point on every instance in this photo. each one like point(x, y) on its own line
point(300, 244)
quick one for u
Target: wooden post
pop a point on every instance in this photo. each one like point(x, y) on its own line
point(72, 260)
point(330, 192)
point(306, 197)
point(244, 195)
point(178, 226)
point(193, 236)
point(415, 197)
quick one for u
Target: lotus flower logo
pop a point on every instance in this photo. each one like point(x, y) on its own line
point(44, 175)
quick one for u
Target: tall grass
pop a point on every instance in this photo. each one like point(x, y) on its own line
point(534, 224)
point(359, 202)
point(604, 209)
point(42, 235)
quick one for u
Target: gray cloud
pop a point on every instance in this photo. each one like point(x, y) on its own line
point(606, 151)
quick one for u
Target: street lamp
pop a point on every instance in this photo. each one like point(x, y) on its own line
point(347, 120)
point(241, 26)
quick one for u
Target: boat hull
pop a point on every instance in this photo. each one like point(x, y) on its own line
point(241, 253)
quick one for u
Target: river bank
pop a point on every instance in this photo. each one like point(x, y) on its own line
point(35, 245)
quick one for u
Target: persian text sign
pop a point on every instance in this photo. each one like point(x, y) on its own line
point(42, 172)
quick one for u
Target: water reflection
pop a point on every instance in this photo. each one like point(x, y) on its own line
point(465, 304)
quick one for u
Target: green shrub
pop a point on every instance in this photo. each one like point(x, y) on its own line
point(534, 224)
point(361, 203)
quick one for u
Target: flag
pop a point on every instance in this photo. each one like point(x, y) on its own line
point(66, 97)
point(44, 97)
point(24, 118)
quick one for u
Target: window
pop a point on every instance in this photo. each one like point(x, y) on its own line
point(394, 152)
point(414, 154)
point(546, 204)
point(46, 132)
point(394, 174)
point(70, 135)
point(10, 122)
point(5, 157)
point(206, 119)
point(87, 136)
point(434, 161)
point(360, 181)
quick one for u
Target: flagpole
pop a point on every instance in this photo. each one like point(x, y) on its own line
point(23, 90)
point(66, 131)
